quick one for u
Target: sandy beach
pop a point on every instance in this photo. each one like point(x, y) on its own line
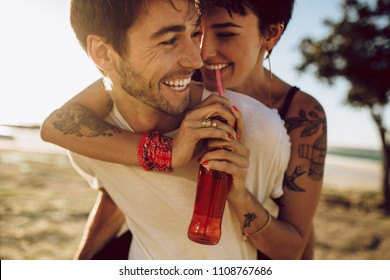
point(44, 205)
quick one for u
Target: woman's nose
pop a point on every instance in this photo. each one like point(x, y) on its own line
point(208, 48)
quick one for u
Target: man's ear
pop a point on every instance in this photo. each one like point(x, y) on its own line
point(273, 35)
point(100, 53)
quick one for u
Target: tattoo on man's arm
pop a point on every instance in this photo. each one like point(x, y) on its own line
point(311, 123)
point(82, 122)
point(249, 218)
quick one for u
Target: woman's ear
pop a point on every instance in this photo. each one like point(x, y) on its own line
point(100, 53)
point(274, 33)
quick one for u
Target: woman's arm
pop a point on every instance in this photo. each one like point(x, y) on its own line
point(286, 236)
point(104, 222)
point(79, 126)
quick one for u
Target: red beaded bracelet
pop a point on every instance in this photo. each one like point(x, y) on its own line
point(155, 152)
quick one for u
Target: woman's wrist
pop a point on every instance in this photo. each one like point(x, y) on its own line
point(155, 152)
point(239, 196)
point(260, 229)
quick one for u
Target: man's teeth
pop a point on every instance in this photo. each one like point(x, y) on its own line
point(178, 84)
point(215, 66)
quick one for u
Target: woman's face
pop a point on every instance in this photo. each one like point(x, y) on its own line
point(232, 44)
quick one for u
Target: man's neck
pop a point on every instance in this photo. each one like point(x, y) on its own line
point(142, 118)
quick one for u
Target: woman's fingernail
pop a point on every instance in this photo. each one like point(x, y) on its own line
point(235, 108)
point(237, 136)
point(205, 163)
point(230, 136)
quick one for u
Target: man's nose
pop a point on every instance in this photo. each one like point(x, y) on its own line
point(191, 55)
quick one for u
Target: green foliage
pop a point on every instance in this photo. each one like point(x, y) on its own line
point(357, 49)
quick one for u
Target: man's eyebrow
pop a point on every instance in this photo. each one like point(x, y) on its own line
point(168, 29)
point(225, 25)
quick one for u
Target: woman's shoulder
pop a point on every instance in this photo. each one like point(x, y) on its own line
point(304, 102)
point(306, 119)
point(248, 101)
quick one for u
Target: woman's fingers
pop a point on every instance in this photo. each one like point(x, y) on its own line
point(239, 125)
point(201, 123)
point(213, 106)
point(224, 155)
point(214, 98)
point(216, 130)
point(232, 146)
point(191, 133)
point(225, 161)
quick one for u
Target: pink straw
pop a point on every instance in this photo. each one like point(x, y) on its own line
point(219, 83)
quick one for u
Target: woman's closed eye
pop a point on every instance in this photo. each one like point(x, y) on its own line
point(226, 35)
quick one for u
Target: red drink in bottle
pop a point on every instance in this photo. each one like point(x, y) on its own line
point(211, 194)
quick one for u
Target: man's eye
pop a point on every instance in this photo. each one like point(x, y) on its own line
point(170, 42)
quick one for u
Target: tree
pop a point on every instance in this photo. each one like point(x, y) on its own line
point(358, 50)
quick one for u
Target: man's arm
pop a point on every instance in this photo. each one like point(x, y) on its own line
point(104, 222)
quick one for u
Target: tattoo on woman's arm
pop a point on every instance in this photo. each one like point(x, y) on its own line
point(316, 155)
point(311, 123)
point(289, 181)
point(249, 218)
point(79, 120)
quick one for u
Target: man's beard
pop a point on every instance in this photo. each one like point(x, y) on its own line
point(142, 89)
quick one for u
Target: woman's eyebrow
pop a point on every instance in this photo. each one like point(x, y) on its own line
point(225, 25)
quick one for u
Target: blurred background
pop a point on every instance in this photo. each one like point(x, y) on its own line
point(44, 203)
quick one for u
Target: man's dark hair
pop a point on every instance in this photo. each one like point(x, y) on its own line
point(109, 19)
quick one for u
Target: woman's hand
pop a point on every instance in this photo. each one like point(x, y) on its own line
point(230, 156)
point(188, 141)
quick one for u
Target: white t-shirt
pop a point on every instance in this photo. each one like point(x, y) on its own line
point(158, 206)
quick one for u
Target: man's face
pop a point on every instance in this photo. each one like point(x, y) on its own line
point(162, 54)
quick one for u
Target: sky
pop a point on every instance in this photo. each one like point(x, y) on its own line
point(42, 66)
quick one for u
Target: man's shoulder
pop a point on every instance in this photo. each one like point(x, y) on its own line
point(116, 119)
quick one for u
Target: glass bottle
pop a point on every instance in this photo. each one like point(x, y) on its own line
point(211, 193)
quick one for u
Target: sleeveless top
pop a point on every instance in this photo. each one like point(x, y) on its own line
point(287, 102)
